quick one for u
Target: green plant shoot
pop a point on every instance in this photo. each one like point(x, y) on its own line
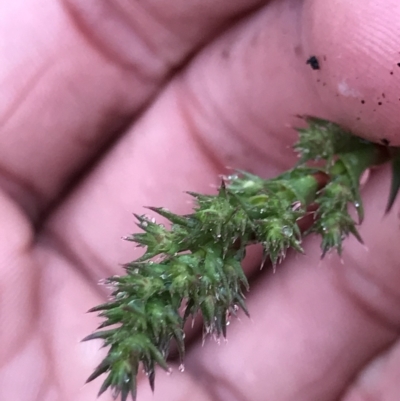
point(195, 264)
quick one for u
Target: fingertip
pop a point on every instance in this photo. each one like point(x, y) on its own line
point(357, 47)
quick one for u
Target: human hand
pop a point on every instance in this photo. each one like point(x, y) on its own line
point(104, 111)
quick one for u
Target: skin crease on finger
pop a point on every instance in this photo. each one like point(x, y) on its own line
point(180, 27)
point(379, 379)
point(265, 82)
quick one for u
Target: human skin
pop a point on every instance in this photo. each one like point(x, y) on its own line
point(107, 106)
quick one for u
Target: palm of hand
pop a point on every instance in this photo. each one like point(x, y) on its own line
point(77, 159)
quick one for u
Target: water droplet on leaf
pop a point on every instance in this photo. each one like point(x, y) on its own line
point(287, 231)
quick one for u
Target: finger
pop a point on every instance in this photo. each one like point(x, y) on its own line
point(40, 310)
point(379, 379)
point(66, 95)
point(315, 324)
point(219, 112)
point(359, 56)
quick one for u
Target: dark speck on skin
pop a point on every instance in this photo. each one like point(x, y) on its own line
point(362, 101)
point(385, 142)
point(379, 103)
point(314, 63)
point(398, 64)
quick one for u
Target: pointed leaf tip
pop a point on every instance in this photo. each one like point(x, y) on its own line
point(102, 368)
point(102, 335)
point(106, 384)
point(152, 376)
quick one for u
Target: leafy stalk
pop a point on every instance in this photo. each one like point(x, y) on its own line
point(196, 262)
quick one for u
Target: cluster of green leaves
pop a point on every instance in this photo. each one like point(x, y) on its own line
point(195, 263)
